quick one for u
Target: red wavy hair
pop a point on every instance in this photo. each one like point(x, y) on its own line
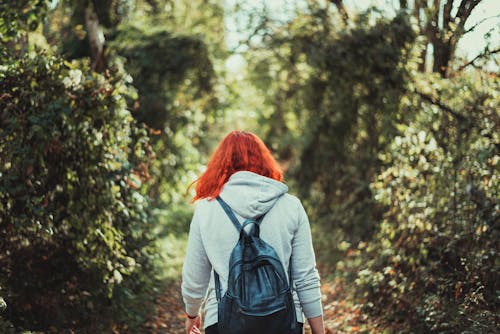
point(238, 151)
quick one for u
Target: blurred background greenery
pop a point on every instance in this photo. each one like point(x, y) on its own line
point(384, 114)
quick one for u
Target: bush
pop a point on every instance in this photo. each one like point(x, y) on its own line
point(432, 266)
point(75, 228)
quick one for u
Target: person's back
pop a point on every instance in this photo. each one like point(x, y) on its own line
point(252, 188)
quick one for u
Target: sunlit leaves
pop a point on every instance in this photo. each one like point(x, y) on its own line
point(437, 191)
point(74, 161)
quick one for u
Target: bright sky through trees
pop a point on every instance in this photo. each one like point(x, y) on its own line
point(470, 44)
point(487, 14)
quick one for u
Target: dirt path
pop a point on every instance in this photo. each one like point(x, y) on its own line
point(169, 316)
point(341, 315)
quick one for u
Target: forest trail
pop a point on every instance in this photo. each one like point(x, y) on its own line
point(341, 314)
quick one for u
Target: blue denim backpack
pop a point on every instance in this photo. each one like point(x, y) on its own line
point(259, 296)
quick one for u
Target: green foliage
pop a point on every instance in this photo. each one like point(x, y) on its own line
point(400, 164)
point(171, 52)
point(172, 248)
point(433, 264)
point(336, 103)
point(352, 103)
point(74, 160)
point(19, 17)
point(186, 67)
point(176, 98)
point(6, 327)
point(74, 222)
point(398, 169)
point(112, 12)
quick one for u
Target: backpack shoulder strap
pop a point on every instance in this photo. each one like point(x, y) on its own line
point(229, 213)
point(217, 286)
point(238, 227)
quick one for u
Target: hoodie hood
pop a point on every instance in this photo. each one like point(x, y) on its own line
point(251, 195)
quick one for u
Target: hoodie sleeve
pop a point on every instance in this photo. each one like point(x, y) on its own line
point(196, 269)
point(304, 272)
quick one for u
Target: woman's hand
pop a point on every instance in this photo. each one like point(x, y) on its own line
point(193, 325)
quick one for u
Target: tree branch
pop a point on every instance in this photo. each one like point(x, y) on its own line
point(440, 104)
point(435, 15)
point(480, 22)
point(262, 26)
point(340, 7)
point(464, 11)
point(461, 8)
point(484, 54)
point(447, 15)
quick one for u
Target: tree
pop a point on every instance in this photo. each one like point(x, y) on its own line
point(441, 28)
point(441, 24)
point(96, 37)
point(335, 98)
point(73, 219)
point(173, 51)
point(389, 159)
point(431, 263)
point(177, 95)
point(87, 27)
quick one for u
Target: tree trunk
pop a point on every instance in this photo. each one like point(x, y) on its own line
point(96, 38)
point(443, 52)
point(441, 29)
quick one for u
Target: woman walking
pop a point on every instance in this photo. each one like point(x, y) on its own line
point(243, 181)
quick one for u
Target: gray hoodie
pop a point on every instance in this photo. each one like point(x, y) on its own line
point(212, 237)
